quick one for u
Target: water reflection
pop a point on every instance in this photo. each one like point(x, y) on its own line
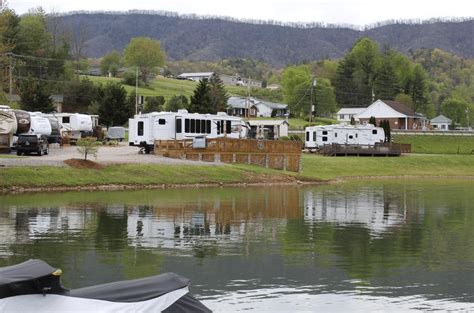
point(242, 247)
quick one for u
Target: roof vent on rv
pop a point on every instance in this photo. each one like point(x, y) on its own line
point(183, 111)
point(221, 114)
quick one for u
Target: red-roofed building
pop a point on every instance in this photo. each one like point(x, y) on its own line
point(399, 115)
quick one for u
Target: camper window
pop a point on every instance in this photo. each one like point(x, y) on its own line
point(140, 128)
point(228, 127)
point(335, 135)
point(374, 132)
point(198, 126)
point(162, 121)
point(208, 126)
point(357, 135)
point(314, 136)
point(218, 127)
point(66, 119)
point(178, 126)
point(325, 138)
point(307, 136)
point(325, 132)
point(186, 125)
point(193, 126)
point(350, 136)
point(203, 126)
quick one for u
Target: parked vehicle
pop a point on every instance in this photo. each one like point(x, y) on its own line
point(144, 129)
point(27, 144)
point(8, 127)
point(368, 135)
point(75, 125)
point(115, 133)
point(35, 287)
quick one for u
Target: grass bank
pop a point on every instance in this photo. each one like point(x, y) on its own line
point(327, 168)
point(315, 168)
point(136, 174)
point(438, 144)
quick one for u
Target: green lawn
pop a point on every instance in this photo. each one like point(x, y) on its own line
point(166, 87)
point(320, 167)
point(438, 144)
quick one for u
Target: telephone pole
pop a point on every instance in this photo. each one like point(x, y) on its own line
point(313, 85)
point(10, 74)
point(136, 92)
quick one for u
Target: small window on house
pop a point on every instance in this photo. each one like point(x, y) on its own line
point(307, 136)
point(140, 128)
point(341, 116)
point(178, 126)
point(325, 138)
point(66, 119)
point(193, 126)
point(314, 136)
point(325, 132)
point(186, 125)
point(161, 121)
point(374, 132)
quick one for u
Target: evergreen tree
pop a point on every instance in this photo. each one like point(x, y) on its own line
point(34, 96)
point(201, 99)
point(218, 94)
point(114, 107)
point(419, 89)
point(79, 95)
point(385, 124)
point(372, 120)
point(386, 84)
point(345, 86)
point(353, 121)
point(324, 98)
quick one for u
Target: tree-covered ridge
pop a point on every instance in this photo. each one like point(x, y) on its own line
point(215, 39)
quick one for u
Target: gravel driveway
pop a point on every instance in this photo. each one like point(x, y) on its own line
point(106, 155)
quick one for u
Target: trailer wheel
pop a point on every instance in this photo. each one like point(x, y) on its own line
point(18, 152)
point(46, 152)
point(40, 152)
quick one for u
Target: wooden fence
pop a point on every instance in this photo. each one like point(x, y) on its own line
point(276, 154)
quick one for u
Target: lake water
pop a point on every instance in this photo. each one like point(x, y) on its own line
point(359, 247)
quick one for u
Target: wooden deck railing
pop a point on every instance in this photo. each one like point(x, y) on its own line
point(276, 154)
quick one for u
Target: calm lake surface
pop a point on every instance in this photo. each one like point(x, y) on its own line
point(359, 247)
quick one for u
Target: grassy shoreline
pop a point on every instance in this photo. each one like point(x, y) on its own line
point(316, 169)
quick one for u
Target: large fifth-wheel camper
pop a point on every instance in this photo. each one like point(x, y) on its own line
point(144, 129)
point(318, 136)
point(8, 127)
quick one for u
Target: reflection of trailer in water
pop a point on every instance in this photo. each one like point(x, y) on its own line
point(144, 129)
point(363, 135)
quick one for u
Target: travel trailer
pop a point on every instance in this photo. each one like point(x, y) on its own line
point(318, 136)
point(74, 124)
point(8, 127)
point(144, 129)
point(39, 125)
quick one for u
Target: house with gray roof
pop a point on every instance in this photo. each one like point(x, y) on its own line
point(196, 76)
point(253, 107)
point(441, 122)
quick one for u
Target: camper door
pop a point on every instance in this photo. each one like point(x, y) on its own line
point(142, 131)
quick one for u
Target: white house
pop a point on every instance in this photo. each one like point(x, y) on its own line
point(239, 106)
point(441, 122)
point(268, 129)
point(399, 115)
point(346, 114)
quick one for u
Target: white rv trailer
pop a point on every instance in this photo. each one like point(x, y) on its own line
point(75, 124)
point(39, 125)
point(144, 129)
point(318, 136)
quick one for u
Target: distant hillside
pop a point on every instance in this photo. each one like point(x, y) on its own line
point(216, 39)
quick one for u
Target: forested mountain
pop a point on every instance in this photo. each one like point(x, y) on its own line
point(215, 39)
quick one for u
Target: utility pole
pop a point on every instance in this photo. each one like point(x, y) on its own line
point(10, 73)
point(136, 92)
point(248, 98)
point(313, 85)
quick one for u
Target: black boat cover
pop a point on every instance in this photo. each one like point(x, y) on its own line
point(133, 290)
point(30, 277)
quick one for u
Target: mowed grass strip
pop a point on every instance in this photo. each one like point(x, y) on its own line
point(438, 144)
point(321, 167)
point(131, 174)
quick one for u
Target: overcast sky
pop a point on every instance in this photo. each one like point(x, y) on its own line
point(357, 12)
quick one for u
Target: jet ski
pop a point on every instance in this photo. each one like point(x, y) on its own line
point(34, 286)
